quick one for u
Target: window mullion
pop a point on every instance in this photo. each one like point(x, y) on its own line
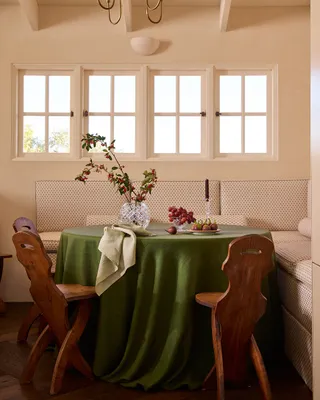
point(269, 115)
point(20, 119)
point(151, 113)
point(243, 113)
point(217, 109)
point(177, 114)
point(112, 110)
point(77, 93)
point(47, 115)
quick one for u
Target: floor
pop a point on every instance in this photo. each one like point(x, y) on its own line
point(285, 382)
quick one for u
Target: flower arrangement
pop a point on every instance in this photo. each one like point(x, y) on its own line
point(116, 174)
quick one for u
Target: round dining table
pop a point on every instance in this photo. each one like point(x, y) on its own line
point(146, 330)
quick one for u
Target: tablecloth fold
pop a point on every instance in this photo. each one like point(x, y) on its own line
point(118, 253)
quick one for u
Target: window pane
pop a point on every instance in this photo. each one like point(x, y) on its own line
point(100, 126)
point(230, 93)
point(59, 134)
point(124, 93)
point(164, 134)
point(230, 134)
point(190, 94)
point(125, 134)
point(164, 94)
point(59, 93)
point(255, 93)
point(34, 134)
point(34, 89)
point(99, 93)
point(255, 134)
point(190, 135)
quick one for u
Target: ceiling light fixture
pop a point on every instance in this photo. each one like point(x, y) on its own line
point(151, 9)
point(109, 6)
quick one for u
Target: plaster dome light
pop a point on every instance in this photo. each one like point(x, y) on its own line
point(144, 45)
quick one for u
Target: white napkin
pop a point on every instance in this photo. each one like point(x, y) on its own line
point(118, 248)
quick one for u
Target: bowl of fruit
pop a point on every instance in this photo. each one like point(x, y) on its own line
point(206, 226)
point(180, 217)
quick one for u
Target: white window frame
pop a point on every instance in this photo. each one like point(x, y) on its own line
point(17, 107)
point(144, 111)
point(206, 100)
point(137, 114)
point(271, 114)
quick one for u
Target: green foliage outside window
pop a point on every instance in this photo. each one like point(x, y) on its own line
point(58, 142)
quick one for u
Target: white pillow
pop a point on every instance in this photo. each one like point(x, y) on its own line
point(304, 227)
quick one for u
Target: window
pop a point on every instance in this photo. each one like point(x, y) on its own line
point(153, 112)
point(176, 101)
point(244, 113)
point(110, 108)
point(44, 111)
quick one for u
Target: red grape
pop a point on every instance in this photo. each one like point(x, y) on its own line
point(180, 215)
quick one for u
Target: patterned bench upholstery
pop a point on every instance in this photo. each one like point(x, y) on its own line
point(276, 205)
point(63, 204)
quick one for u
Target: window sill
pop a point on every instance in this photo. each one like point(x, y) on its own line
point(253, 157)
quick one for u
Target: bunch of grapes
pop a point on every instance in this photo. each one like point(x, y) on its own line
point(180, 215)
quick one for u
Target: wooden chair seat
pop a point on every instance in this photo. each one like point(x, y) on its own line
point(74, 292)
point(208, 299)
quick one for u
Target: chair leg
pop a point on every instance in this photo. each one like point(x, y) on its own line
point(260, 369)
point(37, 350)
point(69, 352)
point(30, 318)
point(218, 367)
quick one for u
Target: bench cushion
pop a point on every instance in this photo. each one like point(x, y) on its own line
point(295, 258)
point(296, 297)
point(50, 240)
point(53, 258)
point(276, 205)
point(288, 236)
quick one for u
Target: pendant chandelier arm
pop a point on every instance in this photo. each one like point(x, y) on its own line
point(107, 7)
point(155, 7)
point(120, 14)
point(148, 9)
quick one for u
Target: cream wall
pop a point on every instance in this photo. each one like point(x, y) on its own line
point(84, 35)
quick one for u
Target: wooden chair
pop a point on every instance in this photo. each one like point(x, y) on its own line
point(52, 301)
point(235, 313)
point(26, 225)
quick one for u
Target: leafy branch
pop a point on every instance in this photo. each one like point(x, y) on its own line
point(116, 174)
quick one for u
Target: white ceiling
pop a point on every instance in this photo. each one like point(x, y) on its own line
point(235, 3)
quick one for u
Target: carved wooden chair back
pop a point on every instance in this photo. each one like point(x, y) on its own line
point(250, 259)
point(46, 295)
point(24, 224)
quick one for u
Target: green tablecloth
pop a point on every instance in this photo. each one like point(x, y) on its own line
point(149, 331)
